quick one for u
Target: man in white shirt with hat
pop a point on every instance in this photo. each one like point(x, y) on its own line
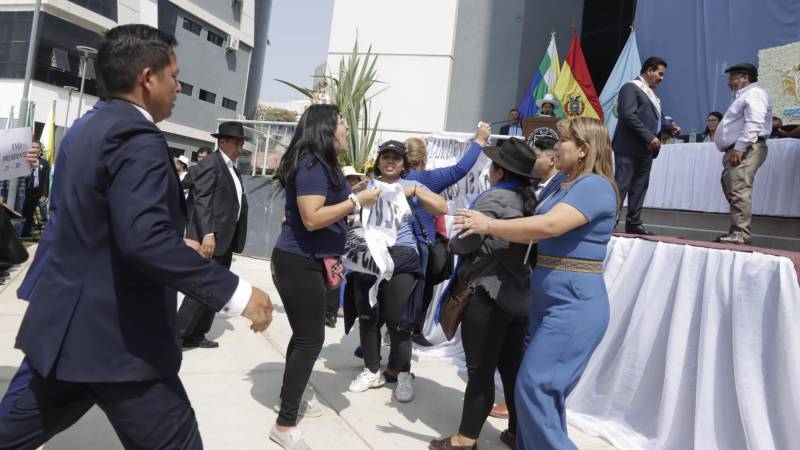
point(742, 135)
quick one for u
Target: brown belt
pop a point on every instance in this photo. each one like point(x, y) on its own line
point(570, 264)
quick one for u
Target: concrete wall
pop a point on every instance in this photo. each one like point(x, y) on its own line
point(414, 43)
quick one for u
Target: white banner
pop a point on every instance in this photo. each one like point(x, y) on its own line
point(14, 144)
point(381, 222)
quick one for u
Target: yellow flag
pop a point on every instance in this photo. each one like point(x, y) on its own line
point(571, 95)
point(48, 138)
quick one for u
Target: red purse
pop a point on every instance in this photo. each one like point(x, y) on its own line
point(334, 271)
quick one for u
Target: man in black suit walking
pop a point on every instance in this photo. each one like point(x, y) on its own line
point(636, 141)
point(218, 221)
point(101, 324)
point(37, 187)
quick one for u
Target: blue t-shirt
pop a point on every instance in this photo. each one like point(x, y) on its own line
point(594, 197)
point(312, 179)
point(405, 235)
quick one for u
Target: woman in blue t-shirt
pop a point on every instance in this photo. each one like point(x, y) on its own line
point(394, 306)
point(570, 311)
point(318, 200)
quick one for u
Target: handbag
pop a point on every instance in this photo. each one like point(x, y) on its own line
point(440, 259)
point(334, 271)
point(12, 252)
point(452, 310)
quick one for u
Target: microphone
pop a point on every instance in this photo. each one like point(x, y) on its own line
point(491, 124)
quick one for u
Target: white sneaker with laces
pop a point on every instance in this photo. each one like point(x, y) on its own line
point(404, 391)
point(367, 380)
point(290, 440)
point(307, 408)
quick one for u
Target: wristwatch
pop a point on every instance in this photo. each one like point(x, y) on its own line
point(354, 198)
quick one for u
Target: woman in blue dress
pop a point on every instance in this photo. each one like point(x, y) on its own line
point(570, 311)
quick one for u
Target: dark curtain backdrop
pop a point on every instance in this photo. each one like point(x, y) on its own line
point(699, 39)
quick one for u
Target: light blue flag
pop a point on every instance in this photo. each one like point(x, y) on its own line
point(626, 69)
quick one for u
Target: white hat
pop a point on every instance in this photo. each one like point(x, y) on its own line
point(548, 98)
point(350, 171)
point(184, 160)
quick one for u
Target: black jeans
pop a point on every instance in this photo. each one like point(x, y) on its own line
point(300, 282)
point(633, 178)
point(492, 339)
point(332, 302)
point(393, 300)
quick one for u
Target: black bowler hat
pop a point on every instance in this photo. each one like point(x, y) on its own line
point(744, 68)
point(393, 146)
point(229, 130)
point(514, 156)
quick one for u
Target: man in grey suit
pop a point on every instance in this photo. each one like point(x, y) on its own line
point(636, 141)
point(218, 220)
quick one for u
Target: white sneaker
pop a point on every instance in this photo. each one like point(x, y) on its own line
point(289, 440)
point(404, 391)
point(307, 408)
point(367, 380)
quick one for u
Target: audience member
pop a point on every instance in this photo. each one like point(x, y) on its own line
point(712, 122)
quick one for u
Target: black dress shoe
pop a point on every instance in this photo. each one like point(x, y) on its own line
point(509, 438)
point(444, 444)
point(199, 343)
point(639, 229)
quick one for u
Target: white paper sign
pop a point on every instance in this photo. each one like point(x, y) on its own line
point(14, 144)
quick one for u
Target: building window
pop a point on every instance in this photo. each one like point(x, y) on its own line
point(105, 8)
point(215, 38)
point(186, 88)
point(209, 97)
point(192, 26)
point(229, 104)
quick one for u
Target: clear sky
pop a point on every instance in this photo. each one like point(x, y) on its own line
point(299, 31)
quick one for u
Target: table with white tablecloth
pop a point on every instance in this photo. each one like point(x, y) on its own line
point(687, 177)
point(702, 351)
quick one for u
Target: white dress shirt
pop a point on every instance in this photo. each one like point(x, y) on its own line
point(241, 296)
point(239, 190)
point(748, 118)
point(542, 186)
point(514, 130)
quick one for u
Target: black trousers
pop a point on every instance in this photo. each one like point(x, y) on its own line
point(145, 415)
point(633, 178)
point(393, 298)
point(332, 302)
point(300, 282)
point(492, 339)
point(195, 318)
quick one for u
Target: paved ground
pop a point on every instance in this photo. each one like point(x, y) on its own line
point(233, 389)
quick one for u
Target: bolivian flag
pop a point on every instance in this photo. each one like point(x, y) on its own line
point(574, 87)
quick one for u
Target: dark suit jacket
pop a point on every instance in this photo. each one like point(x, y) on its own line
point(188, 183)
point(33, 194)
point(104, 309)
point(215, 206)
point(638, 123)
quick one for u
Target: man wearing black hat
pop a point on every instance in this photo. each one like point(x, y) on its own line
point(218, 221)
point(742, 135)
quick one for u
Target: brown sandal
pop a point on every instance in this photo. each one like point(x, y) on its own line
point(445, 444)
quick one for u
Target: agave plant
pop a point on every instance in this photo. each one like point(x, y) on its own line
point(349, 91)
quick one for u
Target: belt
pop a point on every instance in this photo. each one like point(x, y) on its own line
point(570, 264)
point(761, 139)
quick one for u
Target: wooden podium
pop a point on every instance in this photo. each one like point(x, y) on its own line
point(531, 123)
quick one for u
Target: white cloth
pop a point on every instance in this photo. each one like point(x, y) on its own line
point(702, 351)
point(381, 222)
point(241, 296)
point(649, 92)
point(230, 164)
point(748, 117)
point(686, 177)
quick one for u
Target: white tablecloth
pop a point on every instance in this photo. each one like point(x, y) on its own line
point(702, 351)
point(687, 177)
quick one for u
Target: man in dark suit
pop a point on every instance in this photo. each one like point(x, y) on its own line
point(636, 141)
point(218, 220)
point(512, 128)
point(100, 327)
point(36, 190)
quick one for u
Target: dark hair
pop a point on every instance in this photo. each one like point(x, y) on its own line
point(716, 114)
point(315, 135)
point(127, 50)
point(403, 174)
point(526, 189)
point(36, 141)
point(204, 149)
point(653, 63)
point(545, 143)
point(513, 109)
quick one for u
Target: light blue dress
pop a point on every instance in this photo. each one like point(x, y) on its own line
point(568, 316)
